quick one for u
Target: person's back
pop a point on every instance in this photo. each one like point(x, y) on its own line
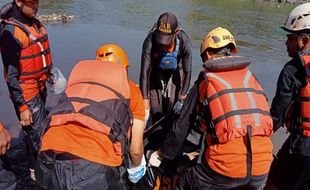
point(89, 128)
point(234, 113)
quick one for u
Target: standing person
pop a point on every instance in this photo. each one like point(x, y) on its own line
point(27, 61)
point(165, 74)
point(233, 111)
point(86, 143)
point(7, 179)
point(292, 96)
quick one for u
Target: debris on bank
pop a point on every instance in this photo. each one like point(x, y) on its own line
point(56, 18)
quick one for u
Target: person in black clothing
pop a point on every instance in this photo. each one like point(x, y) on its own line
point(165, 74)
point(27, 63)
point(291, 169)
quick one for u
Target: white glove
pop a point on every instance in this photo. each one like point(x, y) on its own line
point(155, 160)
point(177, 107)
point(135, 173)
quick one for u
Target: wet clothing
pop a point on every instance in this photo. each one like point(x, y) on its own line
point(162, 87)
point(150, 74)
point(294, 155)
point(24, 47)
point(7, 179)
point(241, 161)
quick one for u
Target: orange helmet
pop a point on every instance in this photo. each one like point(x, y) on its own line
point(112, 53)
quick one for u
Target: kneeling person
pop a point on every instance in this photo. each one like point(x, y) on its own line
point(86, 141)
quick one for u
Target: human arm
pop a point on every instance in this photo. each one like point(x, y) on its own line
point(146, 67)
point(186, 56)
point(11, 48)
point(5, 140)
point(138, 111)
point(136, 146)
point(289, 83)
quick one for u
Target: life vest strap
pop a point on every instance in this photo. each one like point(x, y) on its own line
point(240, 112)
point(305, 119)
point(45, 52)
point(234, 90)
point(105, 86)
point(35, 72)
point(305, 99)
point(41, 39)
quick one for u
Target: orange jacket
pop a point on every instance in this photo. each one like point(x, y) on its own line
point(35, 58)
point(234, 101)
point(305, 98)
point(97, 97)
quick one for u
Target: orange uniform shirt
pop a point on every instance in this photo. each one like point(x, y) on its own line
point(86, 143)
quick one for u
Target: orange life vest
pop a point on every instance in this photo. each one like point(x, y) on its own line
point(235, 100)
point(305, 98)
point(35, 57)
point(97, 97)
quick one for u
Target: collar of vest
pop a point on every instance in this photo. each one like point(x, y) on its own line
point(305, 59)
point(227, 63)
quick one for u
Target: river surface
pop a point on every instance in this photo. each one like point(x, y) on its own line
point(254, 24)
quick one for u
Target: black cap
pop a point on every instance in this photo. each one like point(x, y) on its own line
point(166, 26)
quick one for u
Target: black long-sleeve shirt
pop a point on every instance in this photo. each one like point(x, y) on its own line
point(291, 79)
point(151, 55)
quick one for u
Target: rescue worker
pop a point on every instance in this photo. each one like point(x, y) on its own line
point(233, 112)
point(165, 74)
point(7, 178)
point(27, 60)
point(86, 143)
point(114, 53)
point(290, 105)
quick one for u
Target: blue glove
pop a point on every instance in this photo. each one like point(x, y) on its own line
point(135, 173)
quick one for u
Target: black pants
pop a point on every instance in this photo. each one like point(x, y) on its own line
point(201, 177)
point(69, 172)
point(34, 132)
point(7, 179)
point(290, 171)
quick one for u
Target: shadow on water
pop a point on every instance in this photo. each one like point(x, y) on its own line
point(127, 22)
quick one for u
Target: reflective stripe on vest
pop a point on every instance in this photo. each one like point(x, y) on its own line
point(305, 98)
point(35, 58)
point(222, 92)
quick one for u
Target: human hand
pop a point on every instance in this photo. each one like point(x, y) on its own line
point(155, 159)
point(182, 97)
point(26, 117)
point(5, 141)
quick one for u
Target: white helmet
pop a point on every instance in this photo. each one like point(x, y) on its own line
point(298, 19)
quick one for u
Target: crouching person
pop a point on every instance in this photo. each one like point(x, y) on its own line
point(86, 143)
